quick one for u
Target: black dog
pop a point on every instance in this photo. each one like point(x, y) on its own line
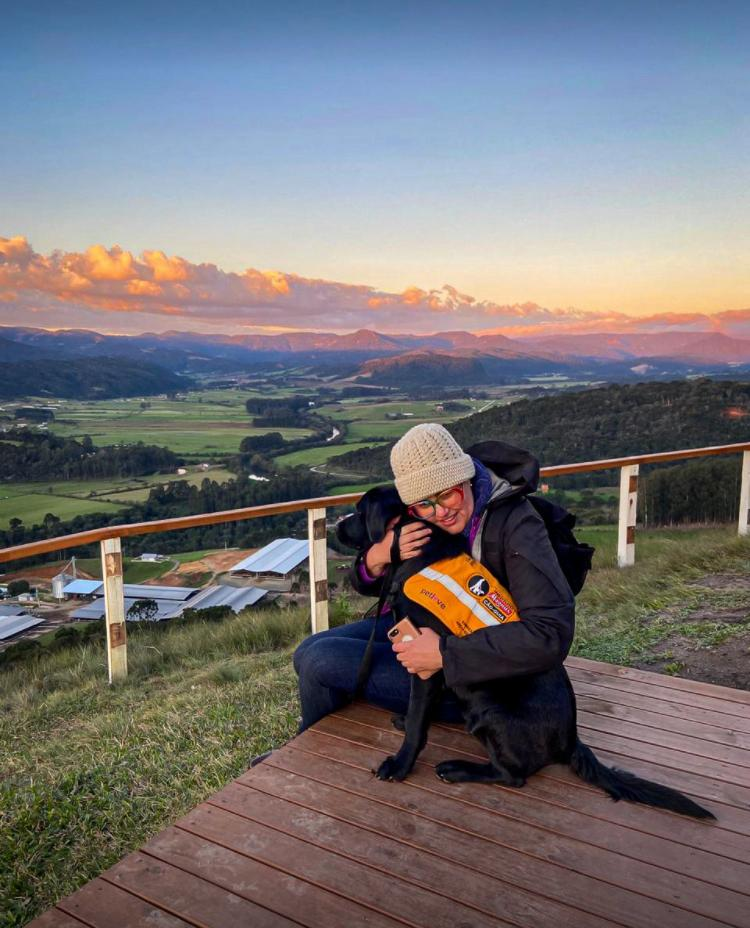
point(524, 723)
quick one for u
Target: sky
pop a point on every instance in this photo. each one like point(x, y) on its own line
point(399, 166)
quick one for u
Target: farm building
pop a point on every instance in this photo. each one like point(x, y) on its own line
point(236, 598)
point(81, 589)
point(14, 620)
point(171, 601)
point(277, 561)
point(150, 558)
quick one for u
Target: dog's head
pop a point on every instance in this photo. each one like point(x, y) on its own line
point(369, 521)
point(373, 515)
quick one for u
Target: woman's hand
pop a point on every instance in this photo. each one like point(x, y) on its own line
point(422, 654)
point(411, 541)
point(414, 537)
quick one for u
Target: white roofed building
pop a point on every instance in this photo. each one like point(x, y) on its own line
point(274, 565)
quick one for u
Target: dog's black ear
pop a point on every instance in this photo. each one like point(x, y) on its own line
point(378, 506)
point(352, 532)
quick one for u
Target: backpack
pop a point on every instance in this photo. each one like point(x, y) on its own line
point(573, 556)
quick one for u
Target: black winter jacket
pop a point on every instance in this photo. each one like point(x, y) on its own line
point(514, 544)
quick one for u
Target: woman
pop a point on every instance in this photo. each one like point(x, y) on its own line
point(480, 495)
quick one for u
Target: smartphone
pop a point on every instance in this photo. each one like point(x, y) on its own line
point(403, 631)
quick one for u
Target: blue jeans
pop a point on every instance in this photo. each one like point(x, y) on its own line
point(327, 666)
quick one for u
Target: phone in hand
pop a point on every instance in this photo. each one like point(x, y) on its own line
point(405, 630)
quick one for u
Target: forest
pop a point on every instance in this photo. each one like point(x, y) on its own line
point(27, 455)
point(616, 421)
point(87, 379)
point(606, 422)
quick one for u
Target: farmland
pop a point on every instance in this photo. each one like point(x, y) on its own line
point(66, 499)
point(204, 428)
point(199, 426)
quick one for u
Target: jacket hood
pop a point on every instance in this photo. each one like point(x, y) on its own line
point(520, 468)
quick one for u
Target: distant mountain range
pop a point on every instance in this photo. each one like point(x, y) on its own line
point(446, 357)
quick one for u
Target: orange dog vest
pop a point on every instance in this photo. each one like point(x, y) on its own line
point(462, 594)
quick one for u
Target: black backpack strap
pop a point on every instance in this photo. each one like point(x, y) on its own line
point(385, 591)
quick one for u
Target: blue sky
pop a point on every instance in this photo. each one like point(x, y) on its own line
point(591, 155)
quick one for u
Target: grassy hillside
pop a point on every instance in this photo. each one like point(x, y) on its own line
point(90, 771)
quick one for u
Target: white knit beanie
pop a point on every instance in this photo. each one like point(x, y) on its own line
point(428, 460)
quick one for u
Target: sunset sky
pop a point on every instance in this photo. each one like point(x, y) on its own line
point(401, 166)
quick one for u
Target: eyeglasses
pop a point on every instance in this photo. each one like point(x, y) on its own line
point(449, 499)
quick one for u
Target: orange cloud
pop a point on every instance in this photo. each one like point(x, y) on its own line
point(112, 280)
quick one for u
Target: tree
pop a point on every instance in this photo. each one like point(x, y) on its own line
point(15, 587)
point(142, 610)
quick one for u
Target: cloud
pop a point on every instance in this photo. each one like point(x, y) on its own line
point(112, 282)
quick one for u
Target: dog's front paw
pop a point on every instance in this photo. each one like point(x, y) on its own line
point(391, 769)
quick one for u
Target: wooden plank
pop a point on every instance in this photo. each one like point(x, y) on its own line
point(653, 735)
point(422, 793)
point(743, 521)
point(101, 905)
point(129, 530)
point(502, 887)
point(467, 837)
point(55, 918)
point(721, 778)
point(189, 896)
point(318, 567)
point(603, 669)
point(735, 815)
point(734, 713)
point(545, 796)
point(591, 708)
point(627, 513)
point(114, 607)
point(559, 470)
point(299, 900)
point(730, 727)
point(336, 872)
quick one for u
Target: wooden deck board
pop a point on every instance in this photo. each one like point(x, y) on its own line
point(311, 838)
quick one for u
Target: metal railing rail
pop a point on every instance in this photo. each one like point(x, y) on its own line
point(111, 545)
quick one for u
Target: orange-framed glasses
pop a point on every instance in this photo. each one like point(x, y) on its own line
point(449, 499)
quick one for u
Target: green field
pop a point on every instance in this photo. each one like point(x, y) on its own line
point(314, 456)
point(201, 425)
point(30, 502)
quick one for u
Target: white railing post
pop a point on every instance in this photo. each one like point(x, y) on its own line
point(114, 609)
point(742, 526)
point(628, 509)
point(318, 562)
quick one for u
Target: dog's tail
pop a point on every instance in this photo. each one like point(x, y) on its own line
point(620, 784)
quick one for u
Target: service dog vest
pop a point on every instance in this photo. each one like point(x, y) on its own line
point(462, 594)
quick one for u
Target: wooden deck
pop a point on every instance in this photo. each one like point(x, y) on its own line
point(311, 838)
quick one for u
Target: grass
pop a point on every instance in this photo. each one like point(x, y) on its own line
point(316, 456)
point(93, 771)
point(622, 615)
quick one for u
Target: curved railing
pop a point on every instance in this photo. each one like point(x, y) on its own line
point(111, 548)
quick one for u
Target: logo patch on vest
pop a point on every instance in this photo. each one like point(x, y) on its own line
point(478, 585)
